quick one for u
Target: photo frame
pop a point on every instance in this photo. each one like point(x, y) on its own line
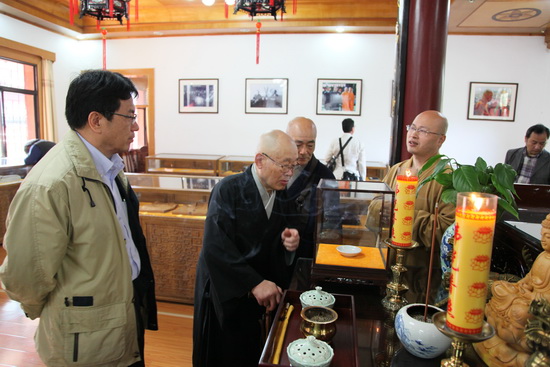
point(492, 101)
point(266, 95)
point(334, 98)
point(198, 95)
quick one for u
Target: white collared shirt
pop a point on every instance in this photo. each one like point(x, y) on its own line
point(108, 170)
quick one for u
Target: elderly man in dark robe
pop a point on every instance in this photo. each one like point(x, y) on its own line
point(245, 260)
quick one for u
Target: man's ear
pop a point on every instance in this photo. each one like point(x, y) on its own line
point(259, 160)
point(96, 121)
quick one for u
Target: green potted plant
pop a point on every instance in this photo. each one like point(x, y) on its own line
point(456, 177)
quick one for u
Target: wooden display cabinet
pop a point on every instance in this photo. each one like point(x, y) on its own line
point(232, 164)
point(353, 213)
point(172, 214)
point(183, 164)
point(375, 170)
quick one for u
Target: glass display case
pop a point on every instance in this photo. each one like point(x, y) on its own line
point(172, 213)
point(231, 164)
point(353, 213)
point(183, 164)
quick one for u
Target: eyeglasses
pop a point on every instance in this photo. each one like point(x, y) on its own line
point(133, 117)
point(284, 167)
point(421, 131)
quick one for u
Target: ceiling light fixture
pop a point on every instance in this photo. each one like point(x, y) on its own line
point(102, 9)
point(261, 7)
point(208, 2)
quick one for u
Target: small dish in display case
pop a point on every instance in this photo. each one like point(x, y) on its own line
point(358, 214)
point(183, 164)
point(348, 250)
point(232, 164)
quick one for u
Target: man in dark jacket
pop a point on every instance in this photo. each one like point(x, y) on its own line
point(532, 162)
point(302, 186)
point(245, 258)
point(36, 149)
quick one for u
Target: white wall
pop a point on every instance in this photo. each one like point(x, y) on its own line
point(303, 59)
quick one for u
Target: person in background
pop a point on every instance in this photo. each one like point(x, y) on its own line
point(303, 184)
point(353, 154)
point(35, 149)
point(246, 257)
point(76, 254)
point(425, 136)
point(532, 162)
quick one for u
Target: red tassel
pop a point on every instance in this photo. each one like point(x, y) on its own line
point(294, 6)
point(282, 14)
point(97, 25)
point(258, 26)
point(226, 11)
point(71, 12)
point(111, 8)
point(104, 34)
point(128, 20)
point(136, 8)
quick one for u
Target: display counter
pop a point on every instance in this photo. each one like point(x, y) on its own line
point(232, 164)
point(183, 164)
point(172, 214)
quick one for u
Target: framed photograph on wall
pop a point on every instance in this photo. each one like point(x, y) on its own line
point(339, 96)
point(198, 95)
point(266, 96)
point(492, 101)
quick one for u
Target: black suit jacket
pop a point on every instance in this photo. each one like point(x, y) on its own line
point(541, 172)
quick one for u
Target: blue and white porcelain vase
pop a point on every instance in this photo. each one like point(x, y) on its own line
point(420, 338)
point(445, 257)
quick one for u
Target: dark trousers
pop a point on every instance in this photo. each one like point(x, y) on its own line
point(140, 330)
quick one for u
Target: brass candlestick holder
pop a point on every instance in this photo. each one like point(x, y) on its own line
point(394, 299)
point(460, 340)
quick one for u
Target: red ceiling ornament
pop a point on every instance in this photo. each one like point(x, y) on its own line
point(258, 26)
point(104, 41)
point(261, 7)
point(102, 9)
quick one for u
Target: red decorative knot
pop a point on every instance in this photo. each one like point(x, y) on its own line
point(410, 189)
point(409, 205)
point(477, 290)
point(481, 262)
point(258, 25)
point(103, 31)
point(484, 235)
point(407, 220)
point(474, 316)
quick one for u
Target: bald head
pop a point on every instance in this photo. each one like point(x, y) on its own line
point(304, 132)
point(276, 155)
point(426, 135)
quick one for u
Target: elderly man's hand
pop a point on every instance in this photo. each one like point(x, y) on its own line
point(291, 239)
point(268, 294)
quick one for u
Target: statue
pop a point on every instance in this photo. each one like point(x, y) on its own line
point(508, 310)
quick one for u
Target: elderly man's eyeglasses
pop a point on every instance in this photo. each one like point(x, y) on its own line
point(284, 167)
point(133, 117)
point(421, 131)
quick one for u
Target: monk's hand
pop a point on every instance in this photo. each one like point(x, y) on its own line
point(291, 239)
point(268, 294)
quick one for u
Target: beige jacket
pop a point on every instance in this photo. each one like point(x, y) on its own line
point(63, 251)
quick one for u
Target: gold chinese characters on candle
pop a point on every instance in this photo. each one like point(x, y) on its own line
point(471, 261)
point(403, 211)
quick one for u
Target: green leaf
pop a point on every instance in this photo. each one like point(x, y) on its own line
point(504, 177)
point(481, 165)
point(430, 163)
point(449, 196)
point(465, 179)
point(445, 179)
point(483, 178)
point(504, 205)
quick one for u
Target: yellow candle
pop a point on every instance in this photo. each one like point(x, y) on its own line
point(403, 214)
point(475, 225)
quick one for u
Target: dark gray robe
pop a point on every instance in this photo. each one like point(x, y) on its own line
point(241, 248)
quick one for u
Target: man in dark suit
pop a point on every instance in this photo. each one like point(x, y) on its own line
point(532, 162)
point(302, 186)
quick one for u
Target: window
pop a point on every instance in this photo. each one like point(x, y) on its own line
point(18, 107)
